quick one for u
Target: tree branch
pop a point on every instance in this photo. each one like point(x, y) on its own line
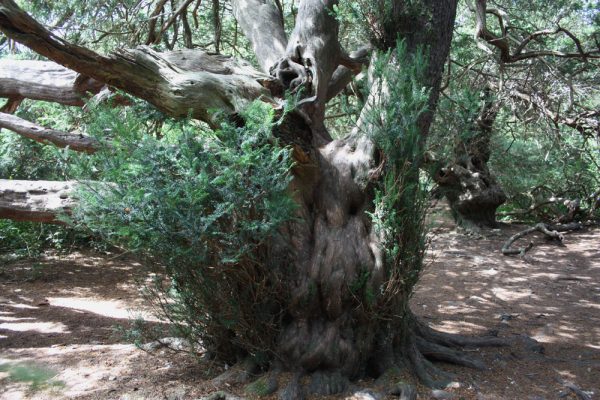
point(502, 42)
point(261, 23)
point(548, 230)
point(40, 134)
point(45, 80)
point(180, 83)
point(343, 75)
point(11, 105)
point(182, 8)
point(587, 122)
point(158, 9)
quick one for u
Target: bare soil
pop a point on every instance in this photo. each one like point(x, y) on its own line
point(59, 316)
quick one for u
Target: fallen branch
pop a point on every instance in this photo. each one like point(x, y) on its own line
point(551, 231)
point(35, 201)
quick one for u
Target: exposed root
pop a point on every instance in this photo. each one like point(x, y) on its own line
point(551, 231)
point(433, 351)
point(581, 395)
point(327, 383)
point(220, 395)
point(425, 371)
point(263, 386)
point(241, 372)
point(293, 390)
point(458, 341)
point(422, 346)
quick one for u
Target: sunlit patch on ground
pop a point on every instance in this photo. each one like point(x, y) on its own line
point(552, 295)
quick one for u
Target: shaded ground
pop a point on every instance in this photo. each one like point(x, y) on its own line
point(58, 317)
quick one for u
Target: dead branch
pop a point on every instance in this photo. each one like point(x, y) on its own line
point(11, 105)
point(158, 9)
point(551, 231)
point(172, 19)
point(45, 80)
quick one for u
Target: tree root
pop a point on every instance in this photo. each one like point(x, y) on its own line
point(221, 395)
point(433, 351)
point(241, 372)
point(458, 341)
point(422, 346)
point(429, 344)
point(551, 231)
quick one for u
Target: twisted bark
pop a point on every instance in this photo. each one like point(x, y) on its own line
point(180, 83)
point(335, 324)
point(45, 80)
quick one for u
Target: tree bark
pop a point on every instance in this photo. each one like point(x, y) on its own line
point(261, 23)
point(45, 80)
point(36, 201)
point(180, 83)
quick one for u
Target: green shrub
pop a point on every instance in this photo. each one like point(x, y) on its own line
point(202, 205)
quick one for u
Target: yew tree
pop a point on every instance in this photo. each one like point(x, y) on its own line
point(520, 70)
point(325, 290)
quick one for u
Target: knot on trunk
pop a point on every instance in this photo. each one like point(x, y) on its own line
point(293, 73)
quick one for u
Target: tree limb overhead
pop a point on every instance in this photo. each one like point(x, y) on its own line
point(45, 80)
point(180, 83)
point(502, 42)
point(261, 23)
point(40, 134)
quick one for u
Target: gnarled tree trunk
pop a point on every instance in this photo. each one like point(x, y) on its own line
point(471, 189)
point(327, 329)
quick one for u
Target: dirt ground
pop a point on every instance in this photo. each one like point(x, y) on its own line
point(59, 319)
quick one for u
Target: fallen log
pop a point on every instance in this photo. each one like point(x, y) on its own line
point(36, 201)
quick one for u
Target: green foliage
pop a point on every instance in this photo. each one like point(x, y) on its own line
point(202, 204)
point(36, 376)
point(533, 169)
point(400, 200)
point(382, 22)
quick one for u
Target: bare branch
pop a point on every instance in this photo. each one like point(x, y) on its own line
point(548, 230)
point(11, 105)
point(172, 19)
point(502, 42)
point(261, 22)
point(216, 17)
point(40, 134)
point(343, 75)
point(153, 19)
point(585, 122)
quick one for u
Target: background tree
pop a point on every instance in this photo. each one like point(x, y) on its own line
point(529, 76)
